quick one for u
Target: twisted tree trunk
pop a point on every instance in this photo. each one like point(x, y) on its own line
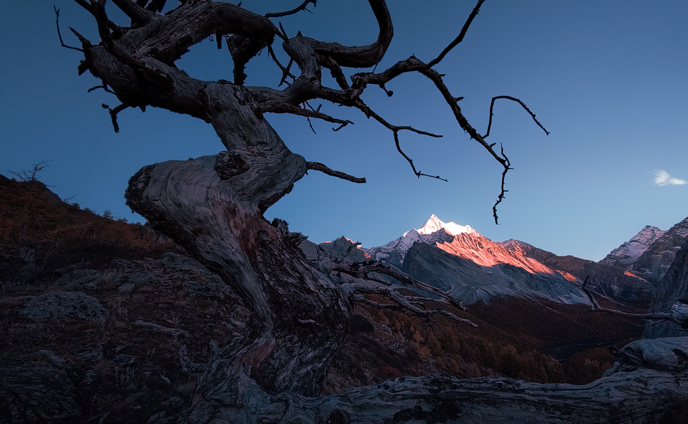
point(213, 207)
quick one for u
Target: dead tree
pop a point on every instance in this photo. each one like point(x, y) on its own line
point(213, 206)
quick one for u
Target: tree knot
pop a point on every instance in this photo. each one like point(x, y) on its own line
point(230, 164)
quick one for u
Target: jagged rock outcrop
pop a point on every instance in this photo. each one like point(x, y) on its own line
point(342, 249)
point(672, 287)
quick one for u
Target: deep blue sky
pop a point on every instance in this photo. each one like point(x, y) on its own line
point(608, 79)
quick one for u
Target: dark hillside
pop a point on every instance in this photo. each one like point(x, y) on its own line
point(42, 236)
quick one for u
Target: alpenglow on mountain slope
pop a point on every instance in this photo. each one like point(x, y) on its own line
point(473, 268)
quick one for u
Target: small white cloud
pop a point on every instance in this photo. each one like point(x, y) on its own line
point(663, 178)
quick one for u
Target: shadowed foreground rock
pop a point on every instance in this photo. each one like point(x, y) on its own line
point(648, 383)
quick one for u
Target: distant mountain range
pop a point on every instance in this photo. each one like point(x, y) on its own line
point(474, 268)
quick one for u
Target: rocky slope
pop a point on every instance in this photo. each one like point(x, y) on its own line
point(654, 262)
point(608, 280)
point(470, 281)
point(624, 255)
point(673, 286)
point(649, 253)
point(476, 269)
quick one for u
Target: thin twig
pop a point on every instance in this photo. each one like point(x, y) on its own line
point(395, 131)
point(281, 107)
point(57, 23)
point(458, 39)
point(514, 99)
point(503, 191)
point(285, 70)
point(103, 86)
point(293, 11)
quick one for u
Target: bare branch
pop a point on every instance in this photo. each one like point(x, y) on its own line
point(156, 5)
point(403, 303)
point(323, 168)
point(410, 161)
point(503, 191)
point(57, 23)
point(458, 39)
point(280, 107)
point(335, 70)
point(285, 70)
point(363, 270)
point(364, 56)
point(103, 86)
point(31, 175)
point(489, 125)
point(395, 130)
point(293, 11)
point(113, 114)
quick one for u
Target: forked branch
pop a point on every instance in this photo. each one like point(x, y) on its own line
point(59, 34)
point(365, 282)
point(368, 283)
point(113, 114)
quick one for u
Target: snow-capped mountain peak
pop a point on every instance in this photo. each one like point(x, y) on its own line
point(432, 232)
point(435, 224)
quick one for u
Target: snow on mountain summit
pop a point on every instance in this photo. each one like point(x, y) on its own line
point(432, 232)
point(435, 224)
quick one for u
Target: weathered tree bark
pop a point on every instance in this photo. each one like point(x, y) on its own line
point(215, 212)
point(648, 384)
point(213, 207)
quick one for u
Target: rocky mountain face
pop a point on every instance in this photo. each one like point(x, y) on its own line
point(673, 286)
point(432, 232)
point(624, 255)
point(650, 253)
point(459, 259)
point(654, 262)
point(608, 280)
point(472, 282)
point(501, 280)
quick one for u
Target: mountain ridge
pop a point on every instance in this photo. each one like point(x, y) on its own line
point(499, 265)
